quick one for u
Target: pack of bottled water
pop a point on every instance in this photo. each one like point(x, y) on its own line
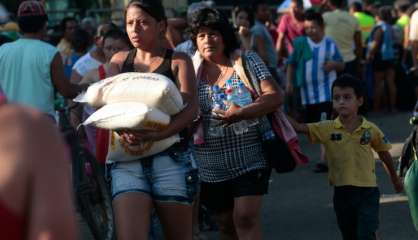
point(238, 95)
point(215, 128)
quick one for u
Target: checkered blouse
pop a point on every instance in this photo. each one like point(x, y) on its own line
point(227, 157)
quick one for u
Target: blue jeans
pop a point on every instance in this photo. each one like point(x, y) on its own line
point(170, 176)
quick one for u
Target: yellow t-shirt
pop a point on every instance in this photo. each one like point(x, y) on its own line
point(349, 155)
point(341, 26)
point(366, 24)
point(403, 21)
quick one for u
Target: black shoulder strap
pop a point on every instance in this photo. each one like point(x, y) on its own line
point(165, 66)
point(128, 65)
point(169, 54)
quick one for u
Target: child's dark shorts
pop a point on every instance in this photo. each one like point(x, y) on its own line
point(357, 210)
point(219, 197)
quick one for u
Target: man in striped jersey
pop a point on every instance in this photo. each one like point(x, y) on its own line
point(313, 67)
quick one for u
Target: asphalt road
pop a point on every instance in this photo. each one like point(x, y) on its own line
point(299, 205)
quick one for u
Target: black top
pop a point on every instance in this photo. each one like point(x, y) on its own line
point(163, 69)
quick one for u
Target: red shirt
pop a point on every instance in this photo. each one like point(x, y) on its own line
point(316, 2)
point(291, 28)
point(11, 225)
point(102, 135)
point(2, 97)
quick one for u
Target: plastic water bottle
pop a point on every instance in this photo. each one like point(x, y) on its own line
point(268, 135)
point(232, 97)
point(229, 93)
point(237, 96)
point(215, 129)
point(323, 116)
point(218, 98)
point(243, 95)
point(244, 98)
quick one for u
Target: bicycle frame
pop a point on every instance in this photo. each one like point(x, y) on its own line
point(91, 192)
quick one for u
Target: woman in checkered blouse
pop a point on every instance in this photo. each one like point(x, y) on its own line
point(232, 168)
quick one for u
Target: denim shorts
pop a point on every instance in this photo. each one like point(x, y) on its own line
point(170, 176)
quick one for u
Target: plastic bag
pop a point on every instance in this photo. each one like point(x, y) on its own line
point(411, 190)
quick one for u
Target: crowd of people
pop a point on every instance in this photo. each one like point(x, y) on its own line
point(322, 66)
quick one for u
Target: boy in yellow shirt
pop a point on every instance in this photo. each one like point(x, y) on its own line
point(348, 142)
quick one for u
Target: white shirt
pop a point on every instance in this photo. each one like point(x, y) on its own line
point(413, 27)
point(85, 64)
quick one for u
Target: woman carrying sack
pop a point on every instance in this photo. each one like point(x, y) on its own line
point(167, 180)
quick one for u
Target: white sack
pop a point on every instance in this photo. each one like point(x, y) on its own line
point(122, 151)
point(128, 115)
point(154, 90)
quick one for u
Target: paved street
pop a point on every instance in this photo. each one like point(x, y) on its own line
point(299, 206)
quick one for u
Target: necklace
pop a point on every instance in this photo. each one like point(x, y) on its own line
point(222, 73)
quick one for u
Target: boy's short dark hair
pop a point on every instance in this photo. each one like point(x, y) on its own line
point(385, 14)
point(402, 5)
point(64, 21)
point(357, 6)
point(32, 24)
point(257, 3)
point(117, 34)
point(32, 17)
point(349, 81)
point(104, 28)
point(80, 40)
point(312, 15)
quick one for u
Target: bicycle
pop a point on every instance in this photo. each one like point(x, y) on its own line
point(92, 195)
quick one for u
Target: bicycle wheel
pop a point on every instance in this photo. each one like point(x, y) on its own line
point(94, 199)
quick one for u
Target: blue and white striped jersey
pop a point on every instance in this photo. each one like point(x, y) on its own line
point(318, 83)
